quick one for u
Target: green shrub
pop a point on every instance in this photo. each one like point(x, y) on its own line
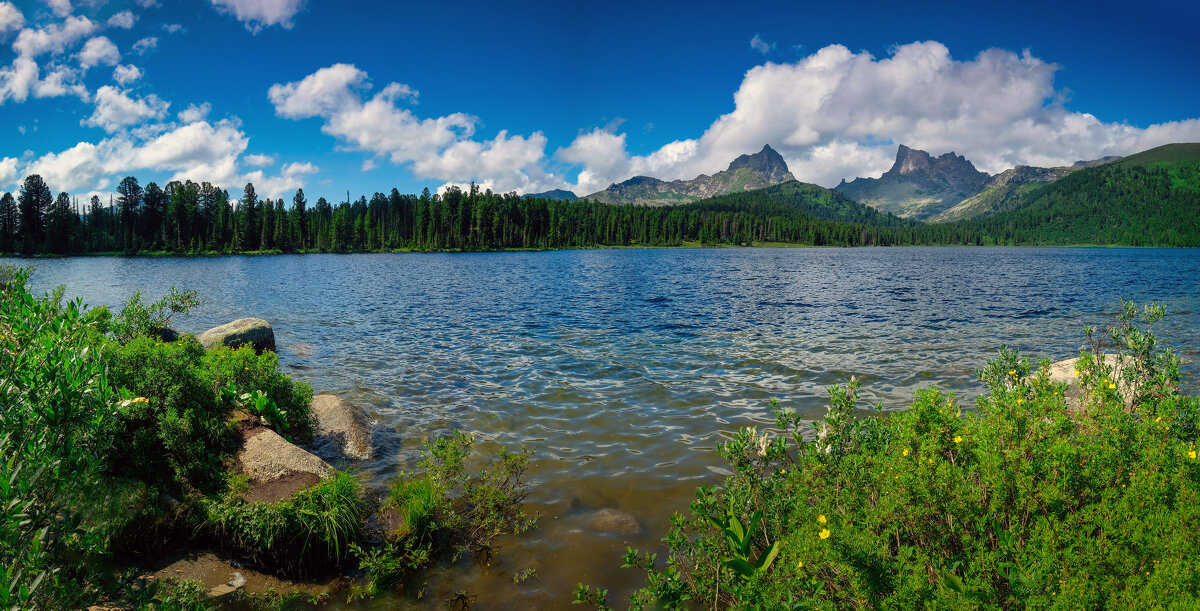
point(1021, 503)
point(53, 503)
point(138, 319)
point(446, 511)
point(244, 372)
point(308, 533)
point(171, 424)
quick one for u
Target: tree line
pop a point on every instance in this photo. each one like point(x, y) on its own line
point(1122, 206)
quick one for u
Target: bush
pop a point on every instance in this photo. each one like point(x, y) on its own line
point(1021, 503)
point(171, 424)
point(445, 511)
point(53, 504)
point(308, 533)
point(244, 372)
point(138, 319)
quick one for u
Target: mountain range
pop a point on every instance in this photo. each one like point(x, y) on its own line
point(948, 187)
point(746, 173)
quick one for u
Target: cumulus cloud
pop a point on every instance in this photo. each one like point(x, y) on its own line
point(61, 8)
point(54, 38)
point(126, 74)
point(172, 28)
point(115, 109)
point(8, 171)
point(145, 45)
point(200, 151)
point(194, 113)
point(758, 44)
point(443, 148)
point(837, 114)
point(99, 50)
point(11, 18)
point(258, 14)
point(292, 176)
point(259, 160)
point(123, 20)
point(146, 3)
point(17, 79)
point(61, 80)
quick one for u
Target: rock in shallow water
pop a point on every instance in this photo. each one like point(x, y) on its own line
point(254, 331)
point(342, 428)
point(614, 521)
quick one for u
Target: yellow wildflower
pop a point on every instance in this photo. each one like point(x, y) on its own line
point(906, 451)
point(1020, 400)
point(1158, 419)
point(1013, 373)
point(1076, 372)
point(1192, 454)
point(800, 564)
point(824, 533)
point(821, 519)
point(957, 439)
point(1111, 386)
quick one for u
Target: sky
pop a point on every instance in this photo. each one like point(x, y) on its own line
point(355, 97)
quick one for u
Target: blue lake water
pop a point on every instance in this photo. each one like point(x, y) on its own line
point(622, 369)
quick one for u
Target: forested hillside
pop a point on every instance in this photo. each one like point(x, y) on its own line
point(1150, 199)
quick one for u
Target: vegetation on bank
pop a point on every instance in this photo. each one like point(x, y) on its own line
point(1032, 499)
point(116, 446)
point(1152, 199)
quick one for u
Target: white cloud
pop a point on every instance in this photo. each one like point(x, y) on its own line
point(99, 50)
point(369, 164)
point(291, 177)
point(145, 45)
point(172, 28)
point(146, 3)
point(837, 114)
point(194, 113)
point(758, 44)
point(116, 110)
point(54, 38)
point(8, 171)
point(11, 18)
point(18, 79)
point(258, 160)
point(61, 80)
point(123, 20)
point(257, 14)
point(61, 8)
point(441, 148)
point(126, 74)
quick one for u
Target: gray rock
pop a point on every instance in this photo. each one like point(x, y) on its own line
point(266, 457)
point(614, 521)
point(254, 331)
point(342, 428)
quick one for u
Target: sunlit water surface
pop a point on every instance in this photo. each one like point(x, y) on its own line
point(623, 369)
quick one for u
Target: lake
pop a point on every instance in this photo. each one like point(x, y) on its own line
point(623, 369)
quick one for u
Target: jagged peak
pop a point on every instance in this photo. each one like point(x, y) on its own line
point(767, 160)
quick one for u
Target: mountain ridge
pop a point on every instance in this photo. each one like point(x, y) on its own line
point(745, 173)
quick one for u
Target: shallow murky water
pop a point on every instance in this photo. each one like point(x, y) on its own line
point(622, 369)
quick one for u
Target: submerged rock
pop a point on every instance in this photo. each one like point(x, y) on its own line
point(614, 521)
point(343, 429)
point(254, 331)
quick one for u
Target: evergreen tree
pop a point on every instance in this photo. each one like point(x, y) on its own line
point(32, 203)
point(8, 223)
point(130, 196)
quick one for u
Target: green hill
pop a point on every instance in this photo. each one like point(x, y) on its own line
point(1149, 199)
point(804, 198)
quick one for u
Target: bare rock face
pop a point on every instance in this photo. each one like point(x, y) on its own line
point(343, 429)
point(614, 521)
point(254, 331)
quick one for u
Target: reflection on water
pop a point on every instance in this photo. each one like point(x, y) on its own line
point(623, 369)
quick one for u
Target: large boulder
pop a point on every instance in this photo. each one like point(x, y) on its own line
point(1067, 372)
point(254, 331)
point(343, 429)
point(277, 468)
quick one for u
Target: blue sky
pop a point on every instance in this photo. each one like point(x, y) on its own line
point(361, 96)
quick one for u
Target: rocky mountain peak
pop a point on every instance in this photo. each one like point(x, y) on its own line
point(953, 169)
point(768, 162)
